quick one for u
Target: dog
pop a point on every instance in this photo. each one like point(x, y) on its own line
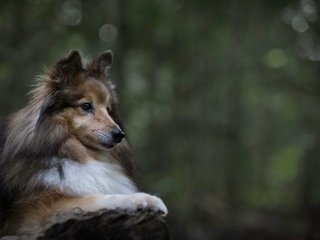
point(67, 149)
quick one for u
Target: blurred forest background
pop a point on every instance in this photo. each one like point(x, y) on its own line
point(221, 101)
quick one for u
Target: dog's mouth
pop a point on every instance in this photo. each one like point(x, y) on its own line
point(108, 145)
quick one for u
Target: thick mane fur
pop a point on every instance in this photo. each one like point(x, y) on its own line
point(23, 128)
point(24, 146)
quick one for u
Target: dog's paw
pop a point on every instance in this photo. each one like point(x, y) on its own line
point(147, 201)
point(134, 202)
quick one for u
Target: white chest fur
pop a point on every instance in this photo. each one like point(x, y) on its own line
point(90, 178)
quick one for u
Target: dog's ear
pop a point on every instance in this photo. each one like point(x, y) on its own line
point(101, 63)
point(67, 68)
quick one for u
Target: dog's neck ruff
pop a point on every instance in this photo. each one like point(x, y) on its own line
point(81, 179)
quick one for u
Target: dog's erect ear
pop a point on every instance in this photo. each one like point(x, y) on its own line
point(101, 63)
point(66, 68)
point(104, 60)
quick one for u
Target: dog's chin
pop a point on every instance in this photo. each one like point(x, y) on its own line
point(109, 145)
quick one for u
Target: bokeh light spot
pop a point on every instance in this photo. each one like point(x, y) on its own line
point(276, 58)
point(70, 13)
point(288, 14)
point(299, 24)
point(108, 33)
point(309, 10)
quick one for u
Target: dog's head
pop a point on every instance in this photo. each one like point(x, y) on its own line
point(82, 99)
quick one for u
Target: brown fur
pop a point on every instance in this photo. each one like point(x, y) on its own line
point(53, 125)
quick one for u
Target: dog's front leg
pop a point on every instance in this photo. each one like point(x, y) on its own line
point(129, 202)
point(41, 211)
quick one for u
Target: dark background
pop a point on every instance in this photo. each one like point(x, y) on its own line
point(221, 101)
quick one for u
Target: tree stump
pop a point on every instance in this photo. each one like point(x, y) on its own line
point(101, 225)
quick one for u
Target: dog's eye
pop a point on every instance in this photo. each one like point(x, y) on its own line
point(109, 109)
point(87, 107)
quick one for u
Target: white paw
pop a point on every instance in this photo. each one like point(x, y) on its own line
point(134, 202)
point(147, 201)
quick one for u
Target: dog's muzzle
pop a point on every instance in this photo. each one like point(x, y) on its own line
point(112, 138)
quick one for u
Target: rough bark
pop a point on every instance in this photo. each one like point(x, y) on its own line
point(104, 224)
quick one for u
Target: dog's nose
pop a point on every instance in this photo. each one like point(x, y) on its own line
point(117, 135)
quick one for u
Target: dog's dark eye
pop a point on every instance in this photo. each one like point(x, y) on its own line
point(87, 107)
point(109, 109)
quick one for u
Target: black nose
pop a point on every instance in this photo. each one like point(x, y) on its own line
point(117, 135)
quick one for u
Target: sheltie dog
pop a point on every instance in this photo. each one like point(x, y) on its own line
point(67, 149)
